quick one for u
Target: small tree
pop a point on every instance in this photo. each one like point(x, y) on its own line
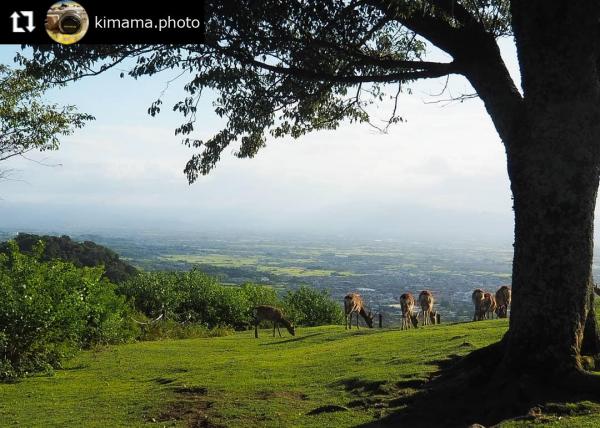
point(311, 307)
point(51, 309)
point(28, 123)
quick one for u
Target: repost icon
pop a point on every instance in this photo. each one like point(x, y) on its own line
point(16, 15)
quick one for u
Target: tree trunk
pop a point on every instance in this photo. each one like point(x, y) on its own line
point(553, 165)
point(554, 189)
point(591, 334)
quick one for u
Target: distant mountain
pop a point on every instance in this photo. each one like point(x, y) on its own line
point(86, 253)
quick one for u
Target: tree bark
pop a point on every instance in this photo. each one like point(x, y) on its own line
point(552, 140)
point(553, 168)
point(554, 187)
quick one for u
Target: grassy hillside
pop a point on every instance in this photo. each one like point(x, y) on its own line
point(240, 381)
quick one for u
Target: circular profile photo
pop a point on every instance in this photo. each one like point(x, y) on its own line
point(66, 22)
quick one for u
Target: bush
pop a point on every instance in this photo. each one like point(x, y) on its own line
point(194, 297)
point(51, 309)
point(310, 307)
point(169, 329)
point(260, 295)
point(153, 293)
point(108, 316)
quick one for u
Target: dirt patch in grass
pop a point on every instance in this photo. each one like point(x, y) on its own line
point(357, 385)
point(190, 406)
point(394, 395)
point(191, 390)
point(330, 408)
point(163, 380)
point(461, 336)
point(367, 403)
point(411, 383)
point(288, 395)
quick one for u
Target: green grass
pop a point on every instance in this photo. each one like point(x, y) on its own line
point(238, 381)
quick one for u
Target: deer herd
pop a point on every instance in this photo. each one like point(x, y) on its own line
point(485, 303)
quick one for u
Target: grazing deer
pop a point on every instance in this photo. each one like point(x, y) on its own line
point(353, 303)
point(503, 297)
point(407, 304)
point(426, 303)
point(270, 313)
point(477, 298)
point(489, 303)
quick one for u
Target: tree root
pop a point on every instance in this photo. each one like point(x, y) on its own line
point(581, 381)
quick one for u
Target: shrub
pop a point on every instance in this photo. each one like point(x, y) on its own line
point(260, 295)
point(51, 309)
point(197, 298)
point(169, 329)
point(108, 316)
point(194, 297)
point(310, 307)
point(153, 293)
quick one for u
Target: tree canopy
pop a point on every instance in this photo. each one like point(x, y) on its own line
point(85, 254)
point(27, 121)
point(291, 67)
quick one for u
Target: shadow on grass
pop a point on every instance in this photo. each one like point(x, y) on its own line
point(75, 368)
point(163, 380)
point(468, 390)
point(355, 385)
point(293, 339)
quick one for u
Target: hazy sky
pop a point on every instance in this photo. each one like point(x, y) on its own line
point(440, 174)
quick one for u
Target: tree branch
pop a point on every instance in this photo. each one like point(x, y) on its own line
point(476, 56)
point(106, 66)
point(417, 70)
point(454, 9)
point(434, 29)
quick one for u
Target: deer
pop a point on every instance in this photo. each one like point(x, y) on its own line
point(271, 313)
point(407, 304)
point(353, 303)
point(477, 298)
point(426, 303)
point(489, 305)
point(435, 317)
point(503, 297)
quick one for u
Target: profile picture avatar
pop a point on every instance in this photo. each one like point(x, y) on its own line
point(66, 22)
